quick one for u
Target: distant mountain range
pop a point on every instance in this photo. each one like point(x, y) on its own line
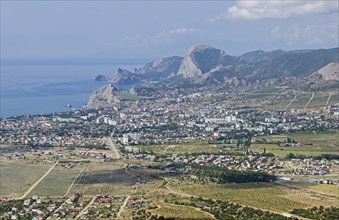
point(205, 66)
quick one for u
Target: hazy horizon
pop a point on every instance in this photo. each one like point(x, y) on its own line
point(144, 30)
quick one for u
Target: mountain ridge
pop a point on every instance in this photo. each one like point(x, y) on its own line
point(212, 68)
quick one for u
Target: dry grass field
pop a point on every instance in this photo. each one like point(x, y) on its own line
point(18, 176)
point(327, 189)
point(181, 212)
point(58, 181)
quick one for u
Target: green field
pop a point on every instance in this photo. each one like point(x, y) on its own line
point(319, 100)
point(281, 152)
point(194, 147)
point(301, 101)
point(278, 104)
point(258, 195)
point(127, 96)
point(334, 98)
point(17, 176)
point(315, 143)
point(57, 182)
point(270, 90)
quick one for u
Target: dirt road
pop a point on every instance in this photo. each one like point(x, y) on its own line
point(37, 182)
point(122, 207)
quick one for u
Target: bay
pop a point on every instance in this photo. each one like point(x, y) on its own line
point(36, 89)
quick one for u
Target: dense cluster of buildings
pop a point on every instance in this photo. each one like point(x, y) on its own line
point(165, 123)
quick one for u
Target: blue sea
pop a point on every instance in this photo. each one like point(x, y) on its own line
point(36, 89)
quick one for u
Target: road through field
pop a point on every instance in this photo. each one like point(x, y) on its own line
point(328, 99)
point(112, 147)
point(81, 171)
point(290, 102)
point(122, 207)
point(84, 209)
point(37, 182)
point(309, 101)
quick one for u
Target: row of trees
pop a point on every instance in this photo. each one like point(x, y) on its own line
point(223, 175)
point(227, 210)
point(331, 213)
point(320, 157)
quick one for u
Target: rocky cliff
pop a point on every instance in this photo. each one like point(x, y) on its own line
point(160, 68)
point(124, 76)
point(104, 96)
point(326, 77)
point(204, 64)
point(152, 71)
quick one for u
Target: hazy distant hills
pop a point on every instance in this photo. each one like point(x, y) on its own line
point(205, 66)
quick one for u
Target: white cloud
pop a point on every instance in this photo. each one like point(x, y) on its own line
point(311, 35)
point(181, 31)
point(279, 9)
point(138, 40)
point(276, 29)
point(169, 35)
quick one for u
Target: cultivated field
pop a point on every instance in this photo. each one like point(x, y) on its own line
point(192, 147)
point(301, 101)
point(18, 176)
point(334, 98)
point(280, 103)
point(177, 211)
point(315, 144)
point(127, 96)
point(281, 152)
point(319, 100)
point(325, 188)
point(259, 195)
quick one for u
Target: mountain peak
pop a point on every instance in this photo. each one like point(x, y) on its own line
point(200, 60)
point(200, 47)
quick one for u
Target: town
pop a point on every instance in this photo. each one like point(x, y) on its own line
point(161, 143)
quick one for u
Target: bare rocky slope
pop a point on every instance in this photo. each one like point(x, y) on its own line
point(152, 71)
point(326, 77)
point(104, 96)
point(204, 64)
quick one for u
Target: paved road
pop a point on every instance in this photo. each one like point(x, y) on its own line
point(37, 182)
point(110, 144)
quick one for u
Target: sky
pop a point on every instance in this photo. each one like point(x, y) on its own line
point(117, 31)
